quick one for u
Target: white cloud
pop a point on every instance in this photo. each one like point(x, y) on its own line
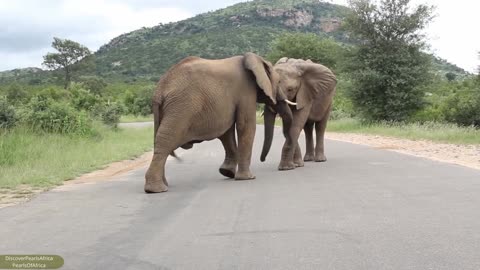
point(27, 27)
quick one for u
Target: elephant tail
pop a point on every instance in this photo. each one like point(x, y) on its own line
point(157, 119)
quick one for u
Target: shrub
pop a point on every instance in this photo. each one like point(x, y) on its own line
point(463, 110)
point(94, 84)
point(139, 103)
point(57, 117)
point(54, 93)
point(16, 94)
point(109, 113)
point(8, 116)
point(82, 99)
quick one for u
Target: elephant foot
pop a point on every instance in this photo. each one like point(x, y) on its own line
point(285, 166)
point(320, 158)
point(244, 176)
point(227, 172)
point(298, 163)
point(155, 187)
point(228, 169)
point(308, 157)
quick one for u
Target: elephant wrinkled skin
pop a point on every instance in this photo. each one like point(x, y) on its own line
point(312, 86)
point(199, 100)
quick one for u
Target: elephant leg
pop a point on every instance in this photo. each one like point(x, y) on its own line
point(167, 140)
point(320, 128)
point(310, 151)
point(297, 157)
point(229, 165)
point(290, 146)
point(246, 125)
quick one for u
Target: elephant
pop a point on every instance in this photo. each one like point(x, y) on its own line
point(312, 86)
point(203, 99)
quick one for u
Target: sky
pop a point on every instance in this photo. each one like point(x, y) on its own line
point(27, 27)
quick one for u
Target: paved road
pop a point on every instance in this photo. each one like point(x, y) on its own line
point(364, 209)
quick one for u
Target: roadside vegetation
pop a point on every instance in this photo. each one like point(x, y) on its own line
point(55, 132)
point(432, 131)
point(386, 84)
point(47, 159)
point(57, 124)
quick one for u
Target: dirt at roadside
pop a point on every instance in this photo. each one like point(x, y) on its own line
point(465, 155)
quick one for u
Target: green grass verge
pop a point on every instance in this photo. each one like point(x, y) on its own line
point(132, 118)
point(45, 160)
point(437, 132)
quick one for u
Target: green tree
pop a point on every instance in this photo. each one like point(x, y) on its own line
point(389, 68)
point(17, 94)
point(306, 46)
point(451, 76)
point(94, 84)
point(69, 53)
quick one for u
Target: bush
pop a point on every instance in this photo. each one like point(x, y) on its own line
point(463, 110)
point(94, 84)
point(16, 94)
point(109, 113)
point(57, 117)
point(82, 99)
point(54, 93)
point(8, 116)
point(139, 103)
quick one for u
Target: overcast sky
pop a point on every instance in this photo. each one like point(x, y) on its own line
point(27, 27)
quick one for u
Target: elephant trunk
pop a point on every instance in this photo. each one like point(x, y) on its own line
point(269, 122)
point(269, 115)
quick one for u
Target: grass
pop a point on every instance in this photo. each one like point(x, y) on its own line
point(136, 118)
point(45, 160)
point(437, 132)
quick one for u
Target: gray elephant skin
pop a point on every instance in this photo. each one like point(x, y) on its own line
point(200, 99)
point(312, 87)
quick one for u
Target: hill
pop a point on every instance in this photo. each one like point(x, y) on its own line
point(249, 26)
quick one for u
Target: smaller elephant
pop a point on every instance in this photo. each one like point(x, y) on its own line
point(312, 87)
point(199, 100)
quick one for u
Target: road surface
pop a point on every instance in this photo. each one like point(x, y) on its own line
point(365, 208)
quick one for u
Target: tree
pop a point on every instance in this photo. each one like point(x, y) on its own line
point(69, 53)
point(306, 46)
point(450, 76)
point(389, 67)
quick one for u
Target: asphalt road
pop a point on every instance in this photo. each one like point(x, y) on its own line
point(363, 209)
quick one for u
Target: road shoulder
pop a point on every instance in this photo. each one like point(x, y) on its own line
point(464, 155)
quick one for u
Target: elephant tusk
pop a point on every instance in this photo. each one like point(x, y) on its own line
point(290, 103)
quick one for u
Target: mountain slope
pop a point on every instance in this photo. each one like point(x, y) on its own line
point(249, 26)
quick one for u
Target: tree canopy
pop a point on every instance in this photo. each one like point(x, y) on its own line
point(389, 67)
point(306, 46)
point(69, 53)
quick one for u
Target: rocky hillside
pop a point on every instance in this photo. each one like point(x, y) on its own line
point(249, 26)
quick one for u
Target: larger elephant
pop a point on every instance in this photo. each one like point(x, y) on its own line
point(199, 100)
point(312, 87)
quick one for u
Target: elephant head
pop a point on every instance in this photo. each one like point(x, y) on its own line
point(300, 81)
point(269, 81)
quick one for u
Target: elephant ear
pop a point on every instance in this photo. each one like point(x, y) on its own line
point(316, 80)
point(262, 70)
